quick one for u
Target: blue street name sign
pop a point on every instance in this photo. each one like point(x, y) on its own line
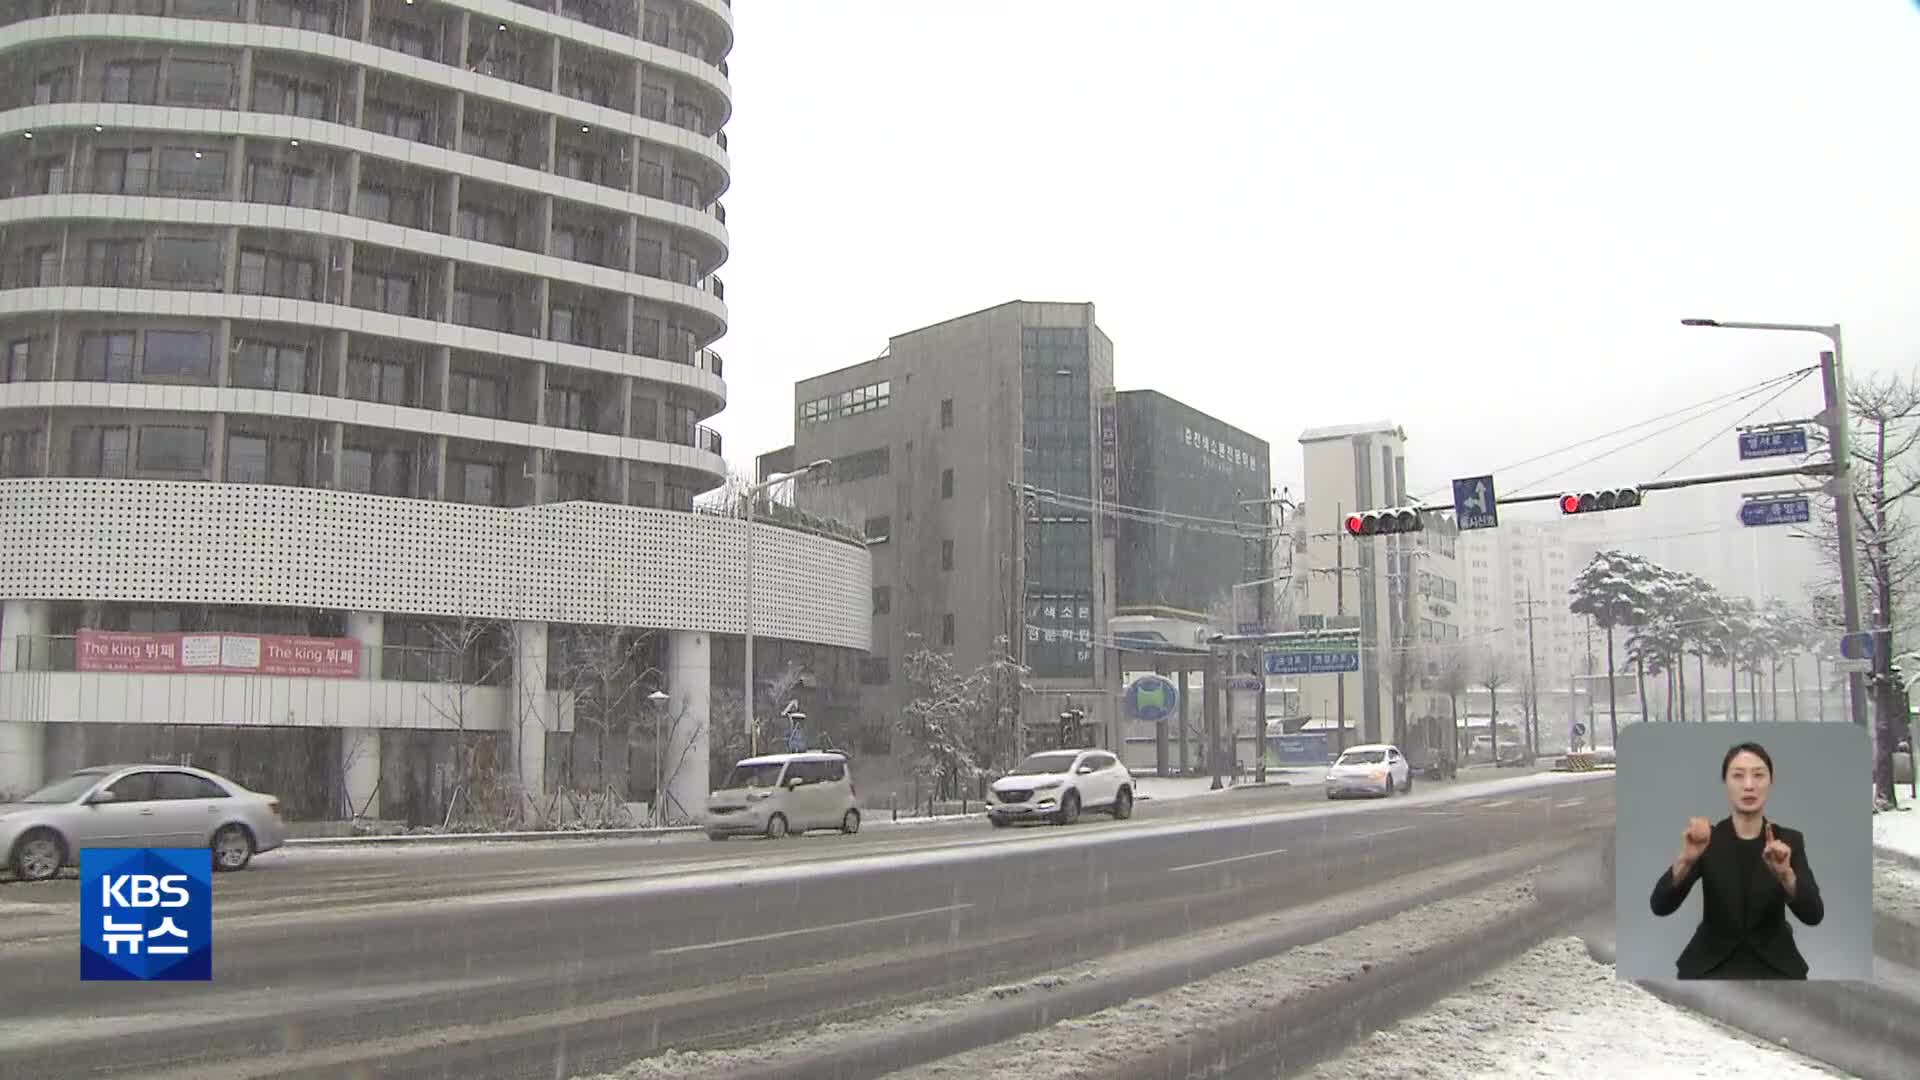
point(1793, 511)
point(1473, 503)
point(1857, 646)
point(1778, 442)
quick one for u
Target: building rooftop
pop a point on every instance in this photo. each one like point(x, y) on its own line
point(1348, 431)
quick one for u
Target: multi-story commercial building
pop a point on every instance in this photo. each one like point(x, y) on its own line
point(930, 442)
point(364, 322)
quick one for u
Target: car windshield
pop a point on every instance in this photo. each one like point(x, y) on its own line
point(1038, 764)
point(66, 790)
point(762, 775)
point(1363, 757)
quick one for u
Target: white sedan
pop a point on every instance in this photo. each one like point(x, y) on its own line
point(1374, 769)
point(121, 806)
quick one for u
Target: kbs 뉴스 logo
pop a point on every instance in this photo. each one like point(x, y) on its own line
point(146, 914)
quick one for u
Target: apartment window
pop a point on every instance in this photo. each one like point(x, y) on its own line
point(264, 365)
point(187, 353)
point(946, 629)
point(186, 171)
point(476, 482)
point(566, 407)
point(258, 459)
point(206, 9)
point(582, 165)
point(191, 261)
point(282, 185)
point(873, 671)
point(946, 412)
point(390, 206)
point(883, 599)
point(131, 82)
point(946, 555)
point(290, 97)
point(501, 144)
point(862, 465)
point(397, 121)
point(575, 325)
point(487, 310)
point(847, 403)
point(115, 263)
point(316, 15)
point(98, 451)
point(273, 273)
point(376, 471)
point(686, 192)
point(579, 244)
point(655, 100)
point(37, 266)
point(580, 85)
point(485, 224)
point(392, 293)
point(46, 176)
point(477, 395)
point(388, 382)
point(19, 453)
point(172, 449)
point(646, 337)
point(105, 358)
point(650, 178)
point(53, 87)
point(690, 116)
point(17, 364)
point(122, 172)
point(946, 483)
point(877, 529)
point(648, 257)
point(400, 37)
point(204, 83)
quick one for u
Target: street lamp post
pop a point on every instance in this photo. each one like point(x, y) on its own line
point(746, 685)
point(658, 699)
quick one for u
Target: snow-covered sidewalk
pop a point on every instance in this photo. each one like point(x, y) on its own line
point(1558, 1013)
point(1898, 830)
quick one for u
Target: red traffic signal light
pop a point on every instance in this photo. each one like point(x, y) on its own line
point(1405, 519)
point(1590, 502)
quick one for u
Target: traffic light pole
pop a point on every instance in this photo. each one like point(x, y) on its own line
point(1833, 384)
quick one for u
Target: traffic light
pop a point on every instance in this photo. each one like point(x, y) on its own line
point(1070, 720)
point(1593, 502)
point(1405, 519)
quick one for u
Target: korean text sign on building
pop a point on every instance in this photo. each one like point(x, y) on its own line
point(217, 654)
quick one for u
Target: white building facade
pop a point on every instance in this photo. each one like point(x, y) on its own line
point(335, 330)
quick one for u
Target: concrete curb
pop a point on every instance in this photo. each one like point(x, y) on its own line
point(1911, 862)
point(402, 840)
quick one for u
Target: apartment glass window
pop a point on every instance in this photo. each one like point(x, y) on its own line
point(499, 143)
point(946, 412)
point(53, 87)
point(877, 528)
point(177, 353)
point(481, 308)
point(646, 417)
point(266, 365)
point(281, 184)
point(582, 165)
point(567, 407)
point(17, 364)
point(316, 15)
point(37, 266)
point(389, 382)
point(274, 273)
point(290, 96)
point(46, 176)
point(946, 555)
point(203, 83)
point(689, 116)
point(686, 192)
point(376, 471)
point(646, 337)
point(19, 453)
point(476, 482)
point(485, 224)
point(650, 178)
point(193, 262)
point(649, 257)
point(402, 37)
point(575, 485)
point(131, 82)
point(105, 358)
point(391, 292)
point(655, 101)
point(581, 85)
point(390, 206)
point(477, 395)
point(115, 263)
point(580, 244)
point(137, 7)
point(946, 483)
point(186, 171)
point(397, 121)
point(122, 172)
point(882, 599)
point(946, 629)
point(259, 459)
point(206, 9)
point(98, 451)
point(172, 448)
point(575, 325)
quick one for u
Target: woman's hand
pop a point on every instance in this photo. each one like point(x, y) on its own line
point(1693, 844)
point(1779, 859)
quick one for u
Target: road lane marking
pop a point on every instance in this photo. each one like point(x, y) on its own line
point(1223, 862)
point(1383, 832)
point(777, 935)
point(1570, 803)
point(1496, 804)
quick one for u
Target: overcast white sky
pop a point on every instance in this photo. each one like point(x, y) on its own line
point(1481, 219)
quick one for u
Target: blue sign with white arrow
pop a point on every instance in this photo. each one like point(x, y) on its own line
point(1473, 503)
point(1790, 511)
point(1776, 442)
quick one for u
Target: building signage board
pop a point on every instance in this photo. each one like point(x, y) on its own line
point(216, 654)
point(1109, 463)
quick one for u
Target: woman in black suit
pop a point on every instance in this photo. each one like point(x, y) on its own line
point(1754, 872)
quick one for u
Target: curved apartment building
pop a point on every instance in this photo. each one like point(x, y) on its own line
point(366, 322)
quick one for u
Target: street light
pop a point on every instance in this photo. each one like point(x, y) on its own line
point(746, 686)
point(658, 699)
point(1834, 381)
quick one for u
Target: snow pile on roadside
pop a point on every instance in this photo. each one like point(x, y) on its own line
point(1898, 830)
point(1097, 1046)
point(1557, 1013)
point(1896, 891)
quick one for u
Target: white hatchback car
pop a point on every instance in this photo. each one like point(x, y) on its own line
point(1374, 769)
point(780, 795)
point(1055, 785)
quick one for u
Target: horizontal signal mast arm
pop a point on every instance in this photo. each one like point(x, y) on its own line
point(1816, 468)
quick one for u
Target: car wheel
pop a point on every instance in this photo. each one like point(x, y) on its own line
point(39, 856)
point(1409, 788)
point(1389, 791)
point(777, 827)
point(850, 824)
point(232, 848)
point(1123, 804)
point(1069, 808)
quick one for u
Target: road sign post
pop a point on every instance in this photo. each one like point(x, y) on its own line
point(1474, 504)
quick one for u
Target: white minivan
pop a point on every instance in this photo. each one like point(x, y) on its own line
point(778, 795)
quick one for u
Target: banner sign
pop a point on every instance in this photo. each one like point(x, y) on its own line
point(216, 654)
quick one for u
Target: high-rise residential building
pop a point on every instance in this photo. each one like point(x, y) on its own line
point(363, 322)
point(930, 443)
point(1519, 572)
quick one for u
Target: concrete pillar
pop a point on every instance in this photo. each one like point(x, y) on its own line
point(23, 647)
point(369, 628)
point(360, 747)
point(532, 714)
point(688, 718)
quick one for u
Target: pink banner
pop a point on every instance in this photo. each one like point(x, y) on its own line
point(217, 654)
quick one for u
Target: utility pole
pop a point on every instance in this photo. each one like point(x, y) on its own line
point(1589, 621)
point(1533, 673)
point(1340, 612)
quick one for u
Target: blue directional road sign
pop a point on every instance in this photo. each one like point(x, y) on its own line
point(1778, 442)
point(1857, 646)
point(1792, 511)
point(1319, 662)
point(1473, 503)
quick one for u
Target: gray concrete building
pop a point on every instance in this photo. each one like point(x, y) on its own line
point(930, 441)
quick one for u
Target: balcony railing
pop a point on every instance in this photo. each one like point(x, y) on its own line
point(705, 438)
point(708, 360)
